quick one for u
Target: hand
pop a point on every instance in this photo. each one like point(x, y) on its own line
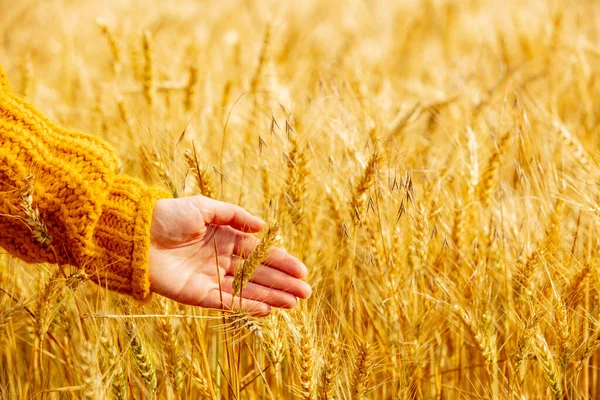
point(197, 242)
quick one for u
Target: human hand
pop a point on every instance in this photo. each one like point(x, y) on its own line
point(197, 242)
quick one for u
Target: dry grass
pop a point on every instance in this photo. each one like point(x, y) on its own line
point(434, 163)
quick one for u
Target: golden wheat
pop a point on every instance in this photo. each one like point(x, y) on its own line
point(434, 164)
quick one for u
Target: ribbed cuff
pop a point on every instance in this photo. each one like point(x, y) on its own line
point(122, 238)
point(141, 247)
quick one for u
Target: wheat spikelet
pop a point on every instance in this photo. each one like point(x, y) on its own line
point(257, 78)
point(525, 341)
point(364, 184)
point(546, 361)
point(362, 372)
point(419, 243)
point(554, 226)
point(563, 329)
point(199, 379)
point(171, 351)
point(246, 322)
point(204, 180)
point(148, 72)
point(244, 273)
point(26, 77)
point(525, 270)
point(485, 341)
point(141, 359)
point(43, 303)
point(266, 184)
point(90, 372)
point(41, 323)
point(574, 144)
point(489, 180)
point(262, 60)
point(573, 293)
point(273, 342)
point(125, 116)
point(159, 166)
point(115, 49)
point(458, 228)
point(191, 90)
point(226, 98)
point(336, 214)
point(329, 371)
point(134, 53)
point(306, 365)
point(32, 215)
point(295, 184)
point(112, 366)
point(589, 348)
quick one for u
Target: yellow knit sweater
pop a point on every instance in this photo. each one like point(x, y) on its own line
point(94, 218)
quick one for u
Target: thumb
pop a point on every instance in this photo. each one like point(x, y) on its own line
point(220, 213)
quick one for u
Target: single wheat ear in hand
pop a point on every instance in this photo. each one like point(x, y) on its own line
point(244, 274)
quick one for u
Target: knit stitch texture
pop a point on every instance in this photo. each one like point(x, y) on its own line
point(97, 219)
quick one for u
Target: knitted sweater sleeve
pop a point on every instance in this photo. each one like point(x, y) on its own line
point(61, 201)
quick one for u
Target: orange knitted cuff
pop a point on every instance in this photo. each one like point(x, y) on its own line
point(122, 238)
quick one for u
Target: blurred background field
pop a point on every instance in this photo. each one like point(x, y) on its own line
point(434, 163)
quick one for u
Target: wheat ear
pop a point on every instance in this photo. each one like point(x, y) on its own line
point(362, 372)
point(148, 74)
point(172, 355)
point(203, 178)
point(244, 273)
point(327, 387)
point(142, 360)
point(548, 364)
point(364, 184)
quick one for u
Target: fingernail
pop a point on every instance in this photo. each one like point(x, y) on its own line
point(264, 311)
point(304, 271)
point(308, 290)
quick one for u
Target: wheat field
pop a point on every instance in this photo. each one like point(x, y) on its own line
point(434, 163)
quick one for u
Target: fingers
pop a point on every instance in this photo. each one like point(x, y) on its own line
point(277, 258)
point(281, 260)
point(259, 293)
point(222, 300)
point(275, 279)
point(243, 244)
point(221, 213)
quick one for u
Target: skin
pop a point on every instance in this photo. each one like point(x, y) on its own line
point(185, 267)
